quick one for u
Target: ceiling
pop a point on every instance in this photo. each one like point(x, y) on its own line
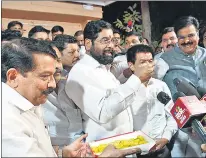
point(97, 2)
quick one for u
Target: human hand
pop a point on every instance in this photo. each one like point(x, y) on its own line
point(203, 147)
point(77, 149)
point(160, 143)
point(111, 151)
point(127, 73)
point(56, 148)
point(144, 71)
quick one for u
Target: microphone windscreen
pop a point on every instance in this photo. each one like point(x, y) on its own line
point(163, 97)
point(202, 91)
point(177, 95)
point(186, 88)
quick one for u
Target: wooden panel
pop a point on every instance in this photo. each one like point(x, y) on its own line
point(53, 7)
point(19, 14)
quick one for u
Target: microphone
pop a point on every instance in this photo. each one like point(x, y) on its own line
point(163, 97)
point(177, 95)
point(186, 88)
point(184, 113)
point(202, 91)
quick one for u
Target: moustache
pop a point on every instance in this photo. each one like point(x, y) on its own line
point(76, 60)
point(48, 91)
point(188, 43)
point(170, 45)
point(110, 50)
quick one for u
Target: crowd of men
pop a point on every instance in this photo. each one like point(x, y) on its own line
point(54, 91)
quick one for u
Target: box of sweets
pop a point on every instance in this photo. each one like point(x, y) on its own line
point(125, 141)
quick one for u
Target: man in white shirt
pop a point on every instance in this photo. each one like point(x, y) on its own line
point(61, 115)
point(120, 67)
point(27, 72)
point(105, 104)
point(148, 112)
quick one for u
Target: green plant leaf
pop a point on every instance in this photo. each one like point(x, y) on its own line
point(130, 8)
point(135, 5)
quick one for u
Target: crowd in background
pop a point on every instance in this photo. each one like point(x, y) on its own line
point(56, 90)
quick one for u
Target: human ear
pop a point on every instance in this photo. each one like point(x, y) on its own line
point(11, 76)
point(88, 44)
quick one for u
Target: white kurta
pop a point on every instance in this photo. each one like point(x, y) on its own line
point(105, 103)
point(23, 130)
point(150, 115)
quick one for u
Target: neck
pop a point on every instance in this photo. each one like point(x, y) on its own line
point(146, 83)
point(88, 53)
point(68, 68)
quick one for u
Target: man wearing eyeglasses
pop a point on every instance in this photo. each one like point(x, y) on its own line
point(104, 102)
point(120, 67)
point(187, 59)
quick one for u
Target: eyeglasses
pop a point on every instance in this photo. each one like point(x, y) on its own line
point(106, 41)
point(190, 36)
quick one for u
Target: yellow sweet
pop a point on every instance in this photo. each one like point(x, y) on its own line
point(121, 144)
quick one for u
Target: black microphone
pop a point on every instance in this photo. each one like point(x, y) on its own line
point(163, 97)
point(177, 95)
point(186, 88)
point(201, 90)
point(195, 123)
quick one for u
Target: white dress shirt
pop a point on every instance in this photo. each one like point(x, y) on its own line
point(105, 103)
point(150, 115)
point(23, 130)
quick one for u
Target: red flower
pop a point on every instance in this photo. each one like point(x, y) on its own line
point(129, 23)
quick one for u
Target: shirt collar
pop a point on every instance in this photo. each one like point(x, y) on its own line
point(151, 81)
point(16, 99)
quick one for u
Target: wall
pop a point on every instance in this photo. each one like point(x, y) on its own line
point(71, 16)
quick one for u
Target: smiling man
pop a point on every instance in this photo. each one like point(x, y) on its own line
point(187, 60)
point(104, 102)
point(61, 116)
point(27, 73)
point(169, 41)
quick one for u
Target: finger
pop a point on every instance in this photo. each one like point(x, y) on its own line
point(56, 148)
point(110, 146)
point(130, 151)
point(82, 137)
point(83, 152)
point(203, 147)
point(158, 146)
